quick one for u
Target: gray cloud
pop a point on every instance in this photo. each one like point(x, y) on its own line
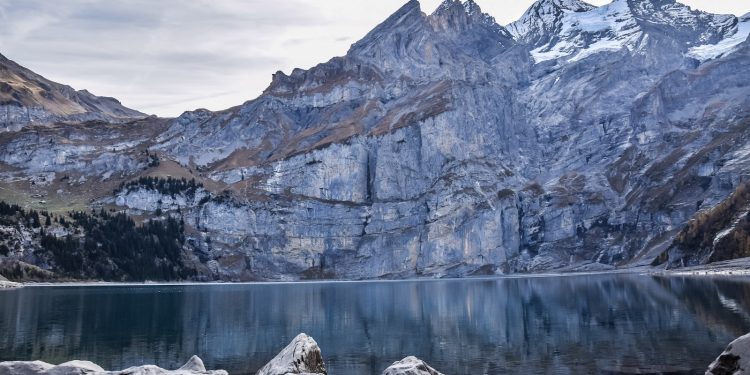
point(168, 56)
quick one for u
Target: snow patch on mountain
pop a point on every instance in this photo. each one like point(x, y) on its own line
point(610, 27)
point(726, 46)
point(542, 18)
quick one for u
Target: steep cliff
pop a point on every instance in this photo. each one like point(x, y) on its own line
point(579, 137)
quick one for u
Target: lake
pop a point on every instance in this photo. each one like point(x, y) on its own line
point(537, 325)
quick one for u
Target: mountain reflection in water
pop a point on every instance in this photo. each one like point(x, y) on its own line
point(541, 325)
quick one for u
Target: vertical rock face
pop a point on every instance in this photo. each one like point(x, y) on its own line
point(445, 145)
point(735, 360)
point(410, 366)
point(301, 356)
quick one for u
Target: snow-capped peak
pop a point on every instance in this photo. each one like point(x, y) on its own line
point(543, 17)
point(574, 30)
point(738, 33)
point(577, 30)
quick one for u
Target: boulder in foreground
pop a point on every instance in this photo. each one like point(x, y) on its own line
point(410, 366)
point(301, 356)
point(193, 367)
point(735, 360)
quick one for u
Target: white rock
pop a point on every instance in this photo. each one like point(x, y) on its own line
point(301, 356)
point(75, 367)
point(24, 368)
point(735, 360)
point(410, 366)
point(193, 367)
point(194, 364)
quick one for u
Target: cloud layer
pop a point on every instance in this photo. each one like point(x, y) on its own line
point(167, 56)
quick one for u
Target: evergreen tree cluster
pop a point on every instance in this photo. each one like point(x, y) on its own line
point(166, 186)
point(114, 247)
point(11, 214)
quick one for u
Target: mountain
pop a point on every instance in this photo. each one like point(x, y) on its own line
point(577, 138)
point(26, 97)
point(573, 29)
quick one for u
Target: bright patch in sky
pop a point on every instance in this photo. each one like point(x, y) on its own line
point(167, 56)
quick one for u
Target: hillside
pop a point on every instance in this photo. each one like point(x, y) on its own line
point(26, 97)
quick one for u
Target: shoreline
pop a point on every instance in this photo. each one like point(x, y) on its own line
point(303, 356)
point(4, 284)
point(733, 268)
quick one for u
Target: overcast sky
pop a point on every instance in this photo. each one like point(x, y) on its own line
point(167, 56)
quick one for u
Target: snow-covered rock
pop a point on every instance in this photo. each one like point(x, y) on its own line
point(576, 30)
point(193, 367)
point(727, 45)
point(410, 366)
point(735, 360)
point(301, 356)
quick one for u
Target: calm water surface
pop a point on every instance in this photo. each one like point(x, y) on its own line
point(552, 325)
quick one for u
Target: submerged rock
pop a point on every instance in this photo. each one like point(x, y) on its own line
point(735, 360)
point(193, 367)
point(301, 356)
point(410, 366)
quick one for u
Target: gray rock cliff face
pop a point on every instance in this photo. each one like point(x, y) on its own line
point(448, 145)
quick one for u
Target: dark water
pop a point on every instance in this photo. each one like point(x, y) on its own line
point(557, 325)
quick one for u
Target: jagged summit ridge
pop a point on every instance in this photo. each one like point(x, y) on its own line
point(543, 18)
point(574, 30)
point(736, 34)
point(459, 16)
point(410, 26)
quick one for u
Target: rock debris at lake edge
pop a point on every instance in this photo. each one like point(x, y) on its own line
point(5, 284)
point(303, 356)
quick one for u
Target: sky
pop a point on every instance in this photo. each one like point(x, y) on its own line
point(168, 56)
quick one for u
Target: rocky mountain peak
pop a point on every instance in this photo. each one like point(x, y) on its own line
point(401, 25)
point(409, 15)
point(458, 16)
point(574, 30)
point(545, 6)
point(544, 17)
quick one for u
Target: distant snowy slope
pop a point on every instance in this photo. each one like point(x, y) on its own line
point(727, 45)
point(575, 30)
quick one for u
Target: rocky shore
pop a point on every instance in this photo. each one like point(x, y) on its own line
point(5, 284)
point(193, 367)
point(303, 356)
